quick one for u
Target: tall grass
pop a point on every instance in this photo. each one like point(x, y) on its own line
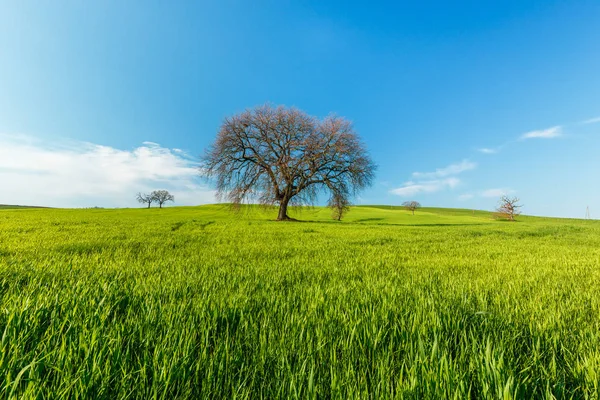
point(201, 303)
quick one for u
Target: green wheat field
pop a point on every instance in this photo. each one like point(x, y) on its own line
point(201, 302)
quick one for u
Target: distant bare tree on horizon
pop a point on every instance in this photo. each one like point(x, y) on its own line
point(279, 155)
point(145, 198)
point(411, 205)
point(162, 196)
point(508, 208)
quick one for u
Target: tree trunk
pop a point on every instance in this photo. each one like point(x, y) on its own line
point(160, 205)
point(283, 210)
point(149, 205)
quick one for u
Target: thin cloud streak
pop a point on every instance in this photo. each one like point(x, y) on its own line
point(413, 188)
point(591, 121)
point(453, 169)
point(549, 133)
point(431, 182)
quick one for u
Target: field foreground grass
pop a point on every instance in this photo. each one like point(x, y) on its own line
point(197, 302)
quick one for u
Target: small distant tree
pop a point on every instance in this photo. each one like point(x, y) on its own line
point(339, 206)
point(411, 205)
point(508, 208)
point(145, 198)
point(162, 196)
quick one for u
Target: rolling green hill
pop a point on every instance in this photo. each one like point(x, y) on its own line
point(200, 302)
point(10, 206)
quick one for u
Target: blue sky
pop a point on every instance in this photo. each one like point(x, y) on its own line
point(458, 102)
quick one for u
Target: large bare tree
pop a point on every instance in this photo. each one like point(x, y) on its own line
point(508, 208)
point(282, 156)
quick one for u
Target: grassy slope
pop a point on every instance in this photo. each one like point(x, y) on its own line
point(361, 214)
point(11, 206)
point(198, 302)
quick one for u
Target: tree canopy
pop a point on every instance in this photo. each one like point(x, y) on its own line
point(162, 196)
point(145, 198)
point(282, 156)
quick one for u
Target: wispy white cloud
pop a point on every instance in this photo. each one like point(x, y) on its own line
point(431, 182)
point(591, 120)
point(413, 188)
point(452, 169)
point(497, 192)
point(486, 150)
point(77, 174)
point(549, 133)
point(465, 197)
